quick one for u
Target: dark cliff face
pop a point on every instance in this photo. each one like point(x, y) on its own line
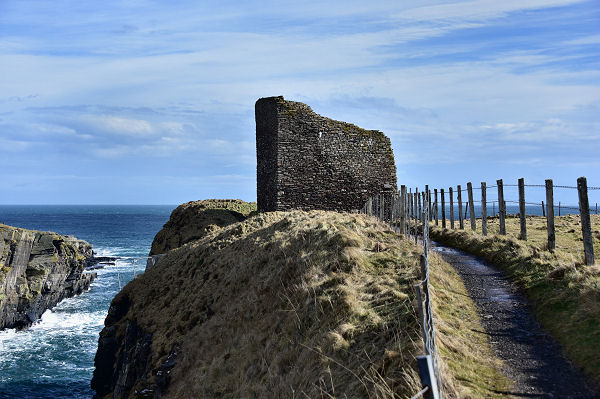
point(38, 270)
point(124, 357)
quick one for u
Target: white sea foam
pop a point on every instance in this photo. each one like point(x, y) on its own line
point(104, 251)
point(70, 323)
point(59, 328)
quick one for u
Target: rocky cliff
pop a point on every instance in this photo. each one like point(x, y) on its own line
point(283, 304)
point(38, 270)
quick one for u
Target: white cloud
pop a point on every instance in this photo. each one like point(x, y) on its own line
point(9, 146)
point(178, 83)
point(479, 9)
point(591, 39)
point(51, 130)
point(543, 132)
point(121, 126)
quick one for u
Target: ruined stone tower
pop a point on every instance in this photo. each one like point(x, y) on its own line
point(307, 161)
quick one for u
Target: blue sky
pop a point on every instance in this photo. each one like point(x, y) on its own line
point(152, 102)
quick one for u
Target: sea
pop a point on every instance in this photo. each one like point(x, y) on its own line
point(54, 358)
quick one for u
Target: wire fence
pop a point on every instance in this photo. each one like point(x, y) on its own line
point(478, 212)
point(395, 208)
point(411, 213)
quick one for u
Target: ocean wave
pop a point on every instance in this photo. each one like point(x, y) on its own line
point(72, 323)
point(55, 357)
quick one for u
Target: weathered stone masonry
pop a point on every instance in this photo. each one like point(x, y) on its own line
point(307, 161)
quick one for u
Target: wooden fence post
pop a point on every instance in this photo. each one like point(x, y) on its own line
point(425, 231)
point(408, 210)
point(543, 209)
point(410, 204)
point(483, 209)
point(436, 206)
point(423, 194)
point(451, 208)
point(501, 207)
point(550, 214)
point(418, 203)
point(416, 195)
point(429, 201)
point(471, 206)
point(402, 209)
point(461, 223)
point(522, 215)
point(426, 201)
point(586, 225)
point(443, 209)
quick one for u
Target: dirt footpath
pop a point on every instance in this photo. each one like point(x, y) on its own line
point(531, 356)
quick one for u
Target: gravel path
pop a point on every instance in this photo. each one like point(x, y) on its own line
point(531, 357)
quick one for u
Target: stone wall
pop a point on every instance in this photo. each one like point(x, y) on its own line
point(307, 161)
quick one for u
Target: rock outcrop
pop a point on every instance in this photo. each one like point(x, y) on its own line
point(280, 305)
point(193, 220)
point(38, 270)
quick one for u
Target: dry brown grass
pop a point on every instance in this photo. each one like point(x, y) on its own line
point(303, 305)
point(298, 304)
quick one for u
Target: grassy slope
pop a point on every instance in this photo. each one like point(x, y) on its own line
point(564, 292)
point(304, 304)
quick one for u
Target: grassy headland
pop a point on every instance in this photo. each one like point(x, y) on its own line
point(299, 304)
point(563, 291)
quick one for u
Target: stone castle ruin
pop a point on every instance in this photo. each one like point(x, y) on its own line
point(307, 161)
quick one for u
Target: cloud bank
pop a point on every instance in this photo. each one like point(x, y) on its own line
point(153, 101)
